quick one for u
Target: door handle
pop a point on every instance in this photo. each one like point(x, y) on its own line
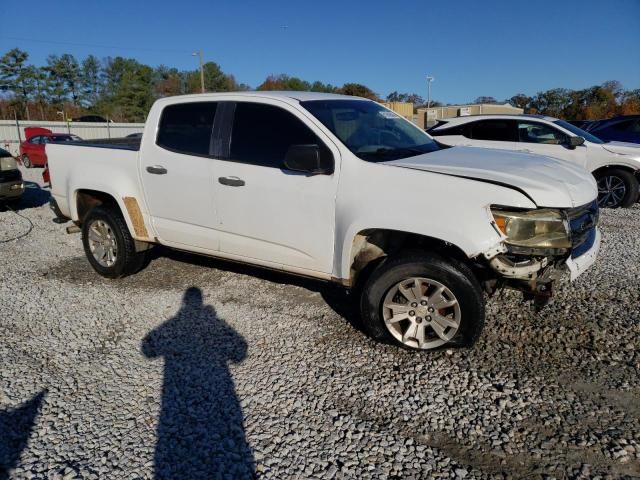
point(156, 169)
point(231, 181)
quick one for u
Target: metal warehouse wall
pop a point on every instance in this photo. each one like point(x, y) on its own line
point(10, 139)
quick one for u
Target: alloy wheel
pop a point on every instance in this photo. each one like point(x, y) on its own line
point(102, 243)
point(611, 191)
point(421, 313)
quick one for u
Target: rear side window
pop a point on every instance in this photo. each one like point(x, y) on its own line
point(463, 130)
point(496, 130)
point(186, 127)
point(262, 135)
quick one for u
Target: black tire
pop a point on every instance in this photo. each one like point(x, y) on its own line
point(26, 161)
point(127, 261)
point(616, 176)
point(453, 274)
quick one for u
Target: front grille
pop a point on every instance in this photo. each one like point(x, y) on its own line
point(582, 224)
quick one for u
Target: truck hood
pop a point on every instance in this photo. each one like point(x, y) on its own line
point(623, 148)
point(547, 181)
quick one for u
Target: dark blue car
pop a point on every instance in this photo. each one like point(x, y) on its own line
point(618, 129)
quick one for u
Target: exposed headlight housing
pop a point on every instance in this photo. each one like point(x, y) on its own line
point(8, 163)
point(543, 228)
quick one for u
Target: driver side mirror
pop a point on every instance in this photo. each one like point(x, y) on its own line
point(307, 159)
point(574, 142)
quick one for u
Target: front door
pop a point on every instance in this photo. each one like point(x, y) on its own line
point(267, 213)
point(543, 139)
point(178, 178)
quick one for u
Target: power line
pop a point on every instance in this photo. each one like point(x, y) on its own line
point(111, 47)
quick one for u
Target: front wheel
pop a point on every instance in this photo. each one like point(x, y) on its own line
point(109, 246)
point(422, 301)
point(617, 188)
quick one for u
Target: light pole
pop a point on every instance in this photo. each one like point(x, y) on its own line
point(429, 80)
point(199, 54)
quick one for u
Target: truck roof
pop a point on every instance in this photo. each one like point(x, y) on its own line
point(294, 95)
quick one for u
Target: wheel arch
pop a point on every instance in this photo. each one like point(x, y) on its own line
point(616, 166)
point(370, 246)
point(85, 199)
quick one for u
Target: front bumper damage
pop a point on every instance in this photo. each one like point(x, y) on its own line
point(534, 273)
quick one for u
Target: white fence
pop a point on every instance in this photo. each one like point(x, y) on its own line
point(12, 131)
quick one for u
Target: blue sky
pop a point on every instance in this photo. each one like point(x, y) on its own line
point(494, 47)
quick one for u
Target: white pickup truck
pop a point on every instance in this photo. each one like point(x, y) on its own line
point(339, 189)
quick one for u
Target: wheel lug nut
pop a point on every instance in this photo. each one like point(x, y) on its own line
point(412, 313)
point(430, 309)
point(414, 304)
point(418, 320)
point(428, 318)
point(423, 302)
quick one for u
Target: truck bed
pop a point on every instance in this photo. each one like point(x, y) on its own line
point(117, 143)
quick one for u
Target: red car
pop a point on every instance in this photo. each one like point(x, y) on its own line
point(32, 151)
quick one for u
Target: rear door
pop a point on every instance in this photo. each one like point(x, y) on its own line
point(177, 171)
point(30, 148)
point(267, 213)
point(493, 133)
point(40, 156)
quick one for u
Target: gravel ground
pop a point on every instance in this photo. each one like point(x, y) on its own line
point(201, 369)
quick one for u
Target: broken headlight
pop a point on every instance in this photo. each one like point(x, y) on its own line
point(543, 228)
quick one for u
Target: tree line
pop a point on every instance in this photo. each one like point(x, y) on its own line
point(123, 89)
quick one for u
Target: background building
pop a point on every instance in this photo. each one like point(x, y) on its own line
point(426, 117)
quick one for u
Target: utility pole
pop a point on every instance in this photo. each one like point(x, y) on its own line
point(429, 80)
point(199, 54)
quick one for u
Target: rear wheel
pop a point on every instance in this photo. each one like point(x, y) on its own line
point(109, 246)
point(423, 302)
point(617, 188)
point(26, 161)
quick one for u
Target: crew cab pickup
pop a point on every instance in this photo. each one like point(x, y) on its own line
point(340, 189)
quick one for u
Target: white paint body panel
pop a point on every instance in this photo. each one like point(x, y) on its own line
point(307, 224)
point(590, 156)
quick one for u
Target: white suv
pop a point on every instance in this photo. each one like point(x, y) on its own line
point(615, 165)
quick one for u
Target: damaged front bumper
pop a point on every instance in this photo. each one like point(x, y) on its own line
point(534, 275)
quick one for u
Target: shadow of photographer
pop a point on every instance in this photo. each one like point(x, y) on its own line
point(200, 432)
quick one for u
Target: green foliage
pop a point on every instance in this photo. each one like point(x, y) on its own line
point(358, 90)
point(406, 97)
point(123, 89)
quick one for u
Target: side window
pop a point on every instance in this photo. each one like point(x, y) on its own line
point(627, 126)
point(533, 132)
point(186, 127)
point(463, 130)
point(496, 130)
point(262, 135)
point(45, 139)
point(35, 140)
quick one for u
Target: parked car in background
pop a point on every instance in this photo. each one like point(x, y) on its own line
point(340, 189)
point(11, 185)
point(91, 119)
point(618, 129)
point(32, 151)
point(616, 167)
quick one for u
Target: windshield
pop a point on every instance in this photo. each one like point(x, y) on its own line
point(578, 131)
point(370, 131)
